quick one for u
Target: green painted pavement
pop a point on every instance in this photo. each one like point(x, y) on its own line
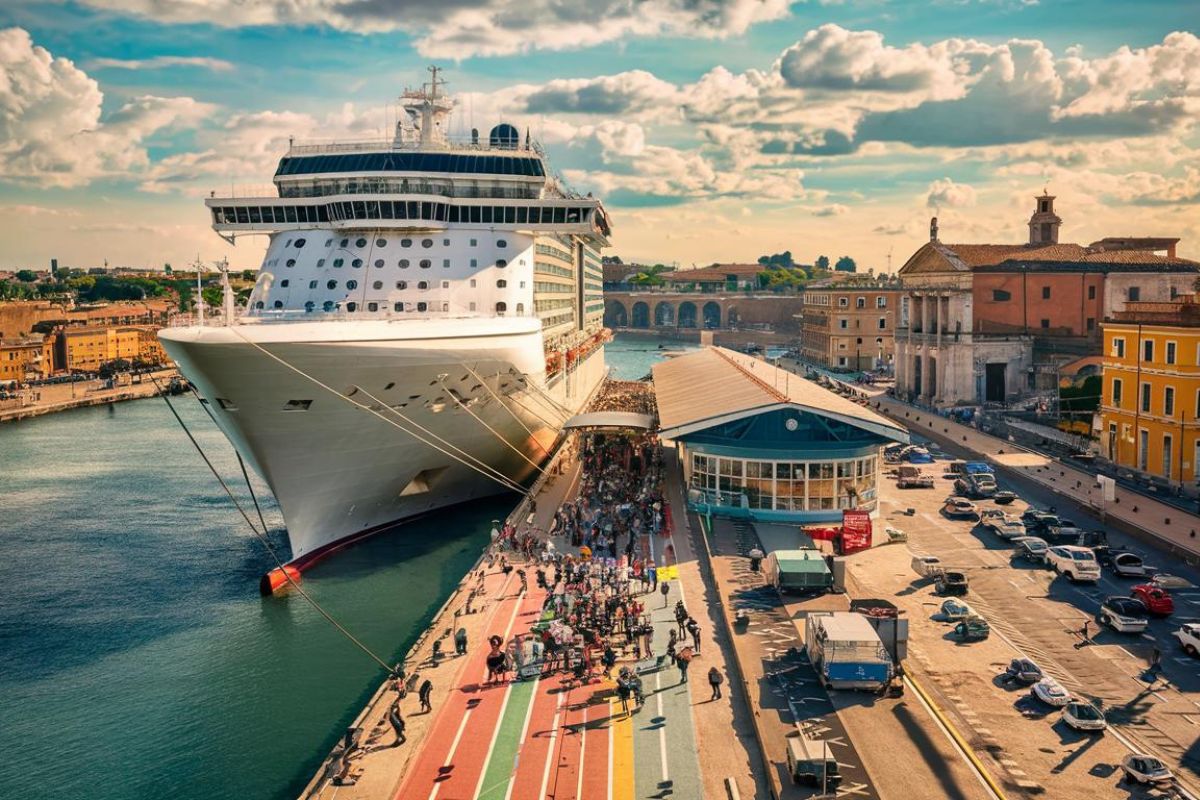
point(663, 734)
point(501, 765)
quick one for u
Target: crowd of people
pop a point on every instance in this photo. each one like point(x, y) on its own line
point(633, 396)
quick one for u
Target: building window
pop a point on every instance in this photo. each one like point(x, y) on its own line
point(882, 323)
point(1045, 323)
point(860, 302)
point(501, 307)
point(1145, 398)
point(1148, 350)
point(1134, 293)
point(1091, 324)
point(881, 301)
point(1169, 401)
point(1118, 347)
point(1001, 296)
point(1116, 393)
point(1170, 354)
point(844, 302)
point(843, 324)
point(1091, 293)
point(1045, 293)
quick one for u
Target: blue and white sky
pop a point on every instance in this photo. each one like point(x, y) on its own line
point(715, 130)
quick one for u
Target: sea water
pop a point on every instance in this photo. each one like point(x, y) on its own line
point(137, 659)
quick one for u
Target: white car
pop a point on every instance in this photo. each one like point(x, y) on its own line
point(1051, 692)
point(1141, 768)
point(1073, 562)
point(1083, 716)
point(1006, 526)
point(1124, 614)
point(955, 609)
point(1189, 638)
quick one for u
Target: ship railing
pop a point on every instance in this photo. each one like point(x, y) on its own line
point(450, 142)
point(288, 191)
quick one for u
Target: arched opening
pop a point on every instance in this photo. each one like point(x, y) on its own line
point(712, 315)
point(641, 315)
point(687, 314)
point(664, 314)
point(615, 315)
point(501, 307)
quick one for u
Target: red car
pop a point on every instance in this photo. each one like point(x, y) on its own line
point(1156, 599)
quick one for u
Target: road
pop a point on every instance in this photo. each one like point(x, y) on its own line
point(1039, 615)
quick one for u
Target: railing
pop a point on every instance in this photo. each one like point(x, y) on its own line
point(455, 142)
point(216, 319)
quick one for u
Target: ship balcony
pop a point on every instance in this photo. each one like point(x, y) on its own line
point(582, 216)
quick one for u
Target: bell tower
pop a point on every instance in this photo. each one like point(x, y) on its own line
point(1044, 224)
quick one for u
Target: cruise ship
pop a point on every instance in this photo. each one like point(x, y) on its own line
point(428, 314)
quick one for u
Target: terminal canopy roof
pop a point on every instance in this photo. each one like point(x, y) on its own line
point(715, 386)
point(611, 419)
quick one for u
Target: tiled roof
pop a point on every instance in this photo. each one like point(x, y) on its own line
point(714, 272)
point(989, 255)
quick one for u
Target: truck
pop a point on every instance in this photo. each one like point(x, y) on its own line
point(801, 571)
point(911, 477)
point(885, 618)
point(845, 651)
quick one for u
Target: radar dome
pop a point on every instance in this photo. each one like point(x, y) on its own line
point(504, 136)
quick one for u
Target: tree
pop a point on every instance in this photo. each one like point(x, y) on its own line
point(822, 262)
point(26, 275)
point(213, 296)
point(110, 368)
point(611, 260)
point(846, 264)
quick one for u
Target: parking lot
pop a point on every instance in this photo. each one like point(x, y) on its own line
point(1039, 615)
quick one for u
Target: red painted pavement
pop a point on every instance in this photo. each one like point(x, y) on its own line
point(457, 779)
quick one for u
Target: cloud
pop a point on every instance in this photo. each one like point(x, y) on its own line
point(623, 93)
point(161, 62)
point(832, 210)
point(464, 28)
point(51, 129)
point(945, 193)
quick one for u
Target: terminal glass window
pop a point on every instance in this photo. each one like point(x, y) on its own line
point(786, 485)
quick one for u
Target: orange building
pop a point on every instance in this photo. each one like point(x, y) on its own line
point(86, 349)
point(851, 326)
point(1150, 409)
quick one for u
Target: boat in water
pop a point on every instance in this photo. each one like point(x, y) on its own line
point(427, 315)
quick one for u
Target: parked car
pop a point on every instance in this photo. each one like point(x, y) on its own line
point(1051, 692)
point(1165, 581)
point(1023, 670)
point(1006, 526)
point(1037, 522)
point(1127, 565)
point(1144, 769)
point(1189, 638)
point(1031, 548)
point(911, 477)
point(1123, 614)
point(1065, 531)
point(976, 486)
point(1003, 497)
point(955, 609)
point(1157, 600)
point(960, 508)
point(972, 629)
point(918, 455)
point(926, 566)
point(1075, 563)
point(950, 583)
point(1083, 716)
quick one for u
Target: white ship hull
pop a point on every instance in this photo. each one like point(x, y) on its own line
point(400, 445)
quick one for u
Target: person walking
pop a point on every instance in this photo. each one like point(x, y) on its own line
point(460, 641)
point(693, 628)
point(681, 618)
point(665, 589)
point(423, 694)
point(652, 576)
point(398, 723)
point(1085, 633)
point(714, 680)
point(1155, 664)
point(524, 581)
point(683, 661)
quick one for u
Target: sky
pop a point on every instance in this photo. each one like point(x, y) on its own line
point(714, 130)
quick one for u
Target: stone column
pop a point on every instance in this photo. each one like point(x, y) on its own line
point(939, 384)
point(923, 389)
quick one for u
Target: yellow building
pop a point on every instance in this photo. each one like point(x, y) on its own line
point(24, 359)
point(85, 349)
point(1150, 409)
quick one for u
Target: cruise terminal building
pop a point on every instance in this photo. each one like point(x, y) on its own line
point(761, 443)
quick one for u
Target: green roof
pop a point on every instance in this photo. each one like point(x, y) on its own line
point(800, 561)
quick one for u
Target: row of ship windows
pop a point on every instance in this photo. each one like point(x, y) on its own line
point(403, 263)
point(330, 305)
point(551, 269)
point(352, 285)
point(411, 162)
point(381, 242)
point(399, 210)
point(553, 288)
point(551, 250)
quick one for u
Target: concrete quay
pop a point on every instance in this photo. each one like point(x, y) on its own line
point(83, 394)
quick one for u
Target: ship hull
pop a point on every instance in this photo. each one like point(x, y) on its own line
point(356, 430)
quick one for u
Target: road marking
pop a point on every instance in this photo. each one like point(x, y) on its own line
point(622, 760)
point(512, 777)
point(550, 755)
point(662, 729)
point(582, 752)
